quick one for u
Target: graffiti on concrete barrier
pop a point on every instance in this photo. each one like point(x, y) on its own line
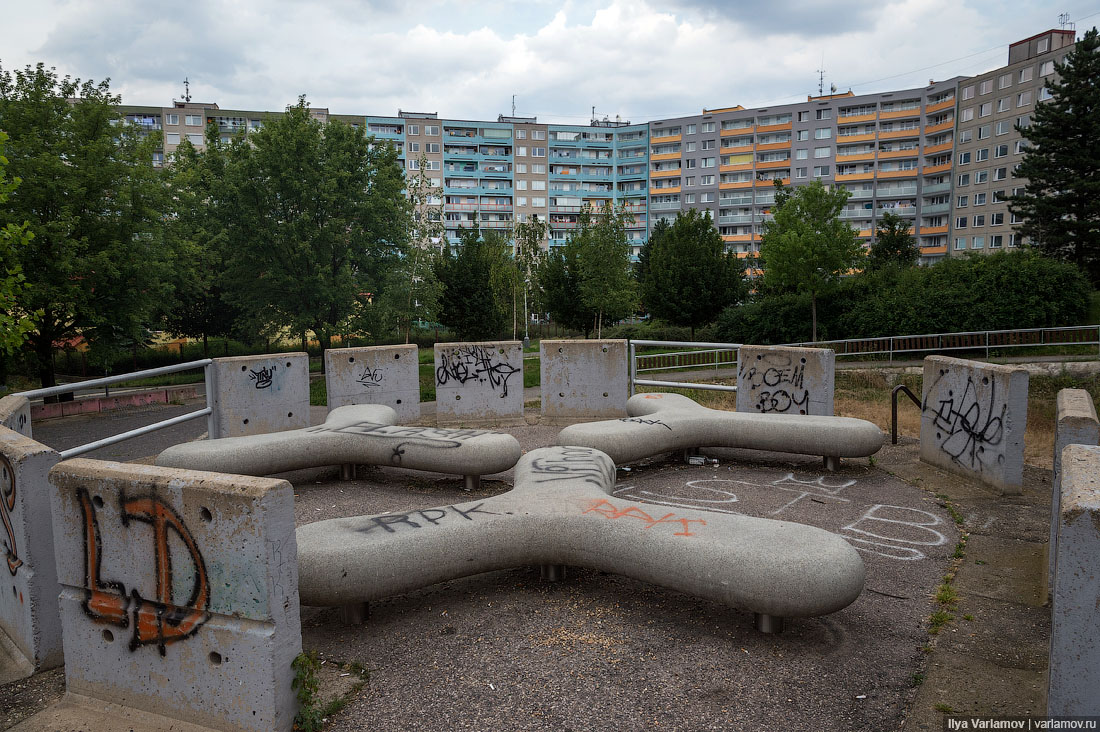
point(160, 621)
point(607, 509)
point(262, 377)
point(641, 420)
point(391, 522)
point(573, 463)
point(475, 364)
point(21, 423)
point(370, 378)
point(776, 383)
point(431, 437)
point(7, 505)
point(966, 424)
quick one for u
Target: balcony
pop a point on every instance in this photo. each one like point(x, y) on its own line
point(665, 206)
point(664, 140)
point(856, 157)
point(665, 156)
point(889, 154)
point(941, 127)
point(861, 193)
point(735, 201)
point(936, 187)
point(739, 149)
point(898, 210)
point(945, 104)
point(735, 219)
point(899, 113)
point(666, 191)
point(927, 230)
point(898, 134)
point(906, 173)
point(852, 118)
point(861, 137)
point(856, 213)
point(840, 178)
point(774, 128)
point(896, 191)
point(937, 168)
point(935, 208)
point(942, 147)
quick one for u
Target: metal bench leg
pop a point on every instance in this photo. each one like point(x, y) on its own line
point(471, 482)
point(355, 613)
point(552, 572)
point(347, 471)
point(832, 463)
point(767, 623)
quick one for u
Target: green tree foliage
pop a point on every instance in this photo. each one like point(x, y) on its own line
point(689, 277)
point(559, 281)
point(603, 256)
point(198, 307)
point(1017, 289)
point(808, 247)
point(15, 322)
point(1060, 205)
point(476, 285)
point(93, 202)
point(313, 216)
point(529, 236)
point(893, 246)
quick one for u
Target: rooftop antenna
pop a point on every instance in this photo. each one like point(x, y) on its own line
point(1065, 22)
point(821, 77)
point(513, 105)
point(186, 90)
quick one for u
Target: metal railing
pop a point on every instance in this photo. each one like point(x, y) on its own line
point(108, 380)
point(701, 355)
point(980, 340)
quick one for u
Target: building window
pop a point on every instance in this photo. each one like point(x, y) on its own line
point(982, 154)
point(802, 135)
point(689, 198)
point(538, 185)
point(986, 86)
point(996, 219)
point(979, 220)
point(691, 131)
point(1023, 99)
point(1004, 81)
point(964, 179)
point(1004, 127)
point(690, 164)
point(962, 201)
point(708, 144)
point(820, 171)
point(1046, 69)
point(194, 120)
point(979, 242)
point(431, 147)
point(824, 114)
point(706, 180)
point(706, 197)
point(1026, 73)
point(521, 152)
point(1045, 94)
point(979, 199)
point(707, 127)
point(538, 135)
point(1024, 121)
point(966, 136)
point(823, 133)
point(435, 164)
point(413, 130)
point(521, 185)
point(689, 181)
point(1021, 145)
point(538, 152)
point(803, 116)
point(964, 158)
point(196, 139)
point(1000, 151)
point(172, 138)
point(999, 196)
point(521, 134)
point(960, 242)
point(538, 202)
point(690, 147)
point(982, 176)
point(801, 154)
point(1014, 240)
point(996, 241)
point(538, 168)
point(822, 152)
point(171, 119)
point(414, 164)
point(1003, 104)
point(960, 222)
point(431, 130)
point(983, 131)
point(985, 110)
point(521, 167)
point(521, 201)
point(968, 92)
point(707, 162)
point(1000, 173)
point(968, 114)
point(800, 172)
point(1042, 45)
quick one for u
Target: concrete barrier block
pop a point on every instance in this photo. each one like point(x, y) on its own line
point(179, 591)
point(1074, 632)
point(973, 418)
point(254, 395)
point(28, 578)
point(584, 379)
point(387, 375)
point(479, 382)
point(15, 414)
point(781, 380)
point(1075, 424)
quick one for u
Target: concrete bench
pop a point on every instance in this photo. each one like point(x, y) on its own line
point(363, 434)
point(561, 512)
point(660, 423)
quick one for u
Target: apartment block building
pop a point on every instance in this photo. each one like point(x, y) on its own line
point(988, 147)
point(940, 156)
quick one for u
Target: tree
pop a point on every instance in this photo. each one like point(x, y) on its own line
point(313, 216)
point(603, 256)
point(92, 201)
point(559, 281)
point(15, 322)
point(1060, 205)
point(807, 248)
point(893, 246)
point(199, 307)
point(689, 276)
point(475, 285)
point(528, 247)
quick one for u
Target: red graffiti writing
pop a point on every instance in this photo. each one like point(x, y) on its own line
point(606, 508)
point(7, 505)
point(160, 621)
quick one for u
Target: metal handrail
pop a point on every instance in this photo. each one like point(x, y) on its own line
point(902, 388)
point(697, 347)
point(108, 380)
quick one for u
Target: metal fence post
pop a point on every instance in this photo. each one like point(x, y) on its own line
point(208, 380)
point(987, 345)
point(632, 371)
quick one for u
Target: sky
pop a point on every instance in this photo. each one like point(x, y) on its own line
point(641, 60)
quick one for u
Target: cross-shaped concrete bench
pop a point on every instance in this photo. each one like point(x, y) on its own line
point(363, 434)
point(561, 512)
point(660, 423)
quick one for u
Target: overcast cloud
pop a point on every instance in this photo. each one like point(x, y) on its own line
point(640, 59)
